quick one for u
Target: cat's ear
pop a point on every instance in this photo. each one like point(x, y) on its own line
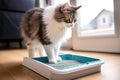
point(77, 7)
point(64, 7)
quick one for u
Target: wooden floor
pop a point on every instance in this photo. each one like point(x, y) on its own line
point(11, 68)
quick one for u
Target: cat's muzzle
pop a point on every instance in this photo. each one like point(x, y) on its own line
point(70, 24)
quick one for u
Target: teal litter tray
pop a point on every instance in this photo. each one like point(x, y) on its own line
point(72, 66)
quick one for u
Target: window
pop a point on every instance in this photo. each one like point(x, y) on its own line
point(95, 18)
point(104, 20)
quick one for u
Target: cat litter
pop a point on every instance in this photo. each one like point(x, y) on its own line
point(72, 66)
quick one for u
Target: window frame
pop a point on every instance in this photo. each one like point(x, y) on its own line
point(115, 34)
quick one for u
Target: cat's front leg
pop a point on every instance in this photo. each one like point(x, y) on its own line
point(50, 54)
point(57, 50)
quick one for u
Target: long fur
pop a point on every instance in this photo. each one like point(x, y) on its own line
point(46, 29)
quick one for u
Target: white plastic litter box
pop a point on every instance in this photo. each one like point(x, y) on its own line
point(72, 66)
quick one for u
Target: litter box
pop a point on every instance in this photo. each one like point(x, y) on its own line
point(72, 66)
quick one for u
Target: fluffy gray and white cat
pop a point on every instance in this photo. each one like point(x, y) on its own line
point(46, 29)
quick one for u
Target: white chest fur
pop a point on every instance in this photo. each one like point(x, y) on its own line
point(56, 31)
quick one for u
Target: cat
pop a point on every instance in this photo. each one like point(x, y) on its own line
point(45, 29)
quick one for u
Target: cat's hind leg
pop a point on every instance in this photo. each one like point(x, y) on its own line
point(41, 50)
point(31, 50)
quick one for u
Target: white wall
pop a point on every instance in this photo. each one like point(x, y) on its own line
point(104, 44)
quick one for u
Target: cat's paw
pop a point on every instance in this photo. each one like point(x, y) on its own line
point(52, 61)
point(59, 59)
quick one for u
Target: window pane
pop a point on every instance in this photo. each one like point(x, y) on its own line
point(96, 18)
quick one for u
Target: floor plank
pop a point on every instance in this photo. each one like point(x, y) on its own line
point(11, 66)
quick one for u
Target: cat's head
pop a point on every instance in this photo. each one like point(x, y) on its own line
point(66, 13)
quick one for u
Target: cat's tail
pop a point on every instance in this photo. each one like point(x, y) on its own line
point(30, 23)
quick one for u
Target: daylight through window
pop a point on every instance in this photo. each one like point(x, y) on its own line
point(96, 18)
